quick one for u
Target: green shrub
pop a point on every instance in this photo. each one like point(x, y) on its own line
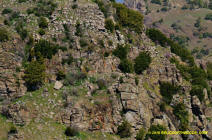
point(154, 128)
point(74, 6)
point(7, 11)
point(20, 1)
point(60, 75)
point(142, 62)
point(124, 130)
point(136, 80)
point(41, 31)
point(167, 90)
point(182, 115)
point(79, 31)
point(46, 48)
point(21, 30)
point(208, 17)
point(71, 131)
point(103, 7)
point(34, 74)
point(13, 130)
point(83, 42)
point(198, 91)
point(126, 66)
point(156, 2)
point(42, 22)
point(121, 51)
point(4, 35)
point(129, 18)
point(141, 134)
point(109, 25)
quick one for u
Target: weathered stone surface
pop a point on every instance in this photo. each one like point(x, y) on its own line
point(58, 85)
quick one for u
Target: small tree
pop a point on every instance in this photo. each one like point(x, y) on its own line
point(124, 130)
point(34, 74)
point(142, 62)
point(141, 134)
point(126, 66)
point(154, 128)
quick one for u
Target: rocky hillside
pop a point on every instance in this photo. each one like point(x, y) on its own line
point(86, 70)
point(185, 21)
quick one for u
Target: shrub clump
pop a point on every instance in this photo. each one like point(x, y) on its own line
point(156, 128)
point(124, 130)
point(102, 83)
point(13, 130)
point(73, 78)
point(126, 66)
point(167, 90)
point(42, 22)
point(4, 35)
point(142, 62)
point(71, 131)
point(109, 25)
point(198, 91)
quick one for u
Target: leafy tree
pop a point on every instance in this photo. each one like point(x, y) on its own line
point(142, 62)
point(124, 130)
point(198, 91)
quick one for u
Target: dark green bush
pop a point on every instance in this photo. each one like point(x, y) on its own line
point(20, 1)
point(182, 115)
point(60, 75)
point(109, 25)
point(155, 128)
point(121, 51)
point(69, 60)
point(43, 23)
point(46, 48)
point(74, 6)
point(208, 17)
point(71, 131)
point(129, 18)
point(198, 91)
point(34, 74)
point(156, 2)
point(79, 31)
point(126, 66)
point(4, 35)
point(167, 90)
point(142, 62)
point(21, 30)
point(124, 130)
point(41, 31)
point(7, 11)
point(141, 134)
point(13, 130)
point(83, 42)
point(103, 6)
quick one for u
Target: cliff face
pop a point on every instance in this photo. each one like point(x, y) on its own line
point(95, 96)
